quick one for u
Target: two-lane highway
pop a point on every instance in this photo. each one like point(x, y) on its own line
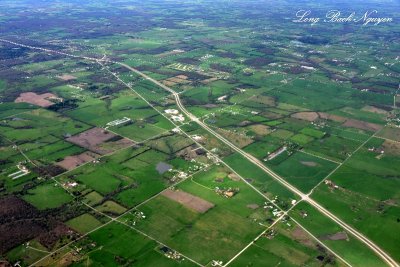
point(249, 157)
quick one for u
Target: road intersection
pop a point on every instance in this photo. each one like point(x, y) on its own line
point(304, 197)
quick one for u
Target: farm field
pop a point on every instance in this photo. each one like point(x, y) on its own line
point(199, 133)
point(167, 218)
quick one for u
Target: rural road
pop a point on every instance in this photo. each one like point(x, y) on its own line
point(305, 197)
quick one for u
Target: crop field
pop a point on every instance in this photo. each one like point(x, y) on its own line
point(304, 171)
point(167, 219)
point(272, 248)
point(362, 204)
point(198, 133)
point(47, 196)
point(352, 250)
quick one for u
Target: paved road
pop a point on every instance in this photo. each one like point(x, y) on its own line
point(255, 161)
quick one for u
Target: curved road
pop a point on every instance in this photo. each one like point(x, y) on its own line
point(304, 197)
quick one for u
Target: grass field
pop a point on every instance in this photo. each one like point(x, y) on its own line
point(365, 214)
point(47, 196)
point(286, 246)
point(303, 99)
point(178, 226)
point(260, 180)
point(116, 243)
point(352, 250)
point(84, 223)
point(304, 171)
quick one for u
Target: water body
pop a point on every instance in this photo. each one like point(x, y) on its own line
point(162, 167)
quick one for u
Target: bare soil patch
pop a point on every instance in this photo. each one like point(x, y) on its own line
point(238, 139)
point(42, 100)
point(375, 110)
point(391, 147)
point(390, 133)
point(253, 206)
point(336, 236)
point(260, 129)
point(188, 200)
point(233, 177)
point(71, 162)
point(262, 99)
point(168, 83)
point(367, 126)
point(180, 79)
point(301, 236)
point(110, 146)
point(66, 77)
point(307, 116)
point(206, 81)
point(309, 163)
point(99, 141)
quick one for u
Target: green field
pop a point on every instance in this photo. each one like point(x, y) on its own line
point(47, 196)
point(119, 243)
point(84, 223)
point(168, 220)
point(304, 171)
point(195, 108)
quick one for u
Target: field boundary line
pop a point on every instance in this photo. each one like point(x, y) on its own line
point(343, 162)
point(358, 235)
point(114, 219)
point(317, 156)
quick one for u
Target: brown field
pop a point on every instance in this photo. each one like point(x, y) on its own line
point(206, 81)
point(307, 116)
point(262, 99)
point(374, 110)
point(390, 133)
point(238, 139)
point(115, 145)
point(337, 236)
point(66, 77)
point(71, 162)
point(188, 200)
point(35, 99)
point(331, 117)
point(367, 126)
point(260, 129)
point(91, 137)
point(168, 83)
point(301, 236)
point(391, 147)
point(97, 140)
point(180, 79)
point(271, 115)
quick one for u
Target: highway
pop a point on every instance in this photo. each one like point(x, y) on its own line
point(255, 161)
point(258, 163)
